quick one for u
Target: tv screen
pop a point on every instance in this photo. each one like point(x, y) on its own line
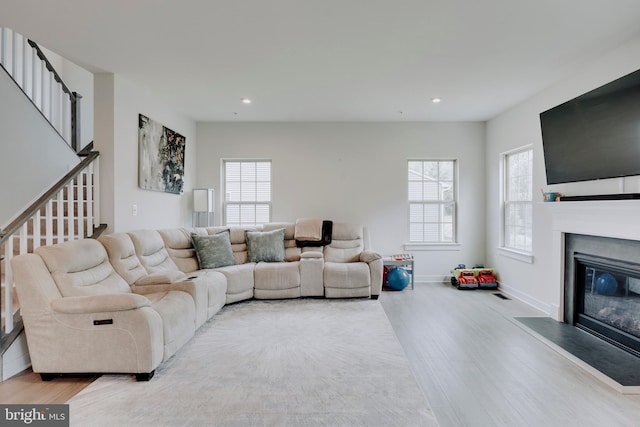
point(596, 135)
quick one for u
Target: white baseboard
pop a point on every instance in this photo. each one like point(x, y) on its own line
point(432, 279)
point(527, 299)
point(16, 359)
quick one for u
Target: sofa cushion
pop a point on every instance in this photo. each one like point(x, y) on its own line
point(239, 242)
point(179, 246)
point(239, 281)
point(178, 314)
point(81, 267)
point(216, 285)
point(277, 276)
point(291, 252)
point(123, 258)
point(346, 275)
point(151, 251)
point(265, 246)
point(348, 242)
point(214, 250)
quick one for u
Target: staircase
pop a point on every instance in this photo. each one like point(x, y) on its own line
point(69, 209)
point(31, 70)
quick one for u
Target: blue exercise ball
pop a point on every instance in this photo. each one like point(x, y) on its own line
point(398, 279)
point(606, 284)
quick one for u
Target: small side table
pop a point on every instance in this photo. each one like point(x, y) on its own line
point(403, 260)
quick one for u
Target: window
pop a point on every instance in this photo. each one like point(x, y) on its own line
point(432, 201)
point(518, 200)
point(247, 187)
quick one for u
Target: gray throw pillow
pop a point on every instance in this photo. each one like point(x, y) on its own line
point(265, 246)
point(213, 251)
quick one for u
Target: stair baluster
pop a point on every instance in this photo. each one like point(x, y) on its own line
point(36, 79)
point(70, 211)
point(5, 56)
point(48, 223)
point(60, 217)
point(7, 324)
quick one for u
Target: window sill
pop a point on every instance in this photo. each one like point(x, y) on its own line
point(517, 255)
point(432, 246)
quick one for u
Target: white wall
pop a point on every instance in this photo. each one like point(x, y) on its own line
point(117, 105)
point(34, 156)
point(521, 126)
point(356, 172)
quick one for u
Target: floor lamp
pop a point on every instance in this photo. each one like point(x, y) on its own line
point(203, 207)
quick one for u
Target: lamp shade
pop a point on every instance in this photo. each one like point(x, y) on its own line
point(203, 199)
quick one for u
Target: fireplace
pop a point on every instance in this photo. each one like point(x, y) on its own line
point(602, 288)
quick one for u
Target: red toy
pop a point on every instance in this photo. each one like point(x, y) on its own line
point(487, 280)
point(464, 279)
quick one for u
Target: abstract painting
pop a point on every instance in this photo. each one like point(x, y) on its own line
point(160, 157)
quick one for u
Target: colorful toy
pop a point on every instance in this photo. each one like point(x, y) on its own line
point(464, 278)
point(473, 278)
point(486, 279)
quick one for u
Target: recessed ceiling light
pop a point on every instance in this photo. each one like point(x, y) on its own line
point(436, 100)
point(246, 101)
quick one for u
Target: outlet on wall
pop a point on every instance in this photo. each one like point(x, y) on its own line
point(134, 210)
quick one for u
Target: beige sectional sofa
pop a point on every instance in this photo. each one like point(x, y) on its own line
point(128, 301)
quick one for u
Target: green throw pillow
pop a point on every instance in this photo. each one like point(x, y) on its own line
point(265, 246)
point(213, 251)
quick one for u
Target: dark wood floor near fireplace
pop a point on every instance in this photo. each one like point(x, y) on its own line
point(617, 364)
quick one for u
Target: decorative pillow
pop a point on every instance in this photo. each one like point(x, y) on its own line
point(265, 246)
point(213, 251)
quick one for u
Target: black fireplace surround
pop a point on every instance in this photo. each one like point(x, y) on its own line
point(602, 288)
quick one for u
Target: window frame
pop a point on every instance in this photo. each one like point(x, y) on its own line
point(518, 252)
point(453, 203)
point(247, 203)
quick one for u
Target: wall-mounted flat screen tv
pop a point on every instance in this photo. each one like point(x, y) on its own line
point(596, 135)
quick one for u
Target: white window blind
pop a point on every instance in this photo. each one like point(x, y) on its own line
point(518, 200)
point(247, 185)
point(432, 200)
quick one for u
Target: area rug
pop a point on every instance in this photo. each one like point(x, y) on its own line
point(303, 362)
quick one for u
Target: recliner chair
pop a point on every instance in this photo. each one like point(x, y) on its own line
point(80, 316)
point(351, 269)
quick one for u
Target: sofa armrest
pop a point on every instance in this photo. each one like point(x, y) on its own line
point(99, 303)
point(311, 274)
point(369, 256)
point(197, 290)
point(376, 266)
point(311, 255)
point(160, 278)
point(184, 286)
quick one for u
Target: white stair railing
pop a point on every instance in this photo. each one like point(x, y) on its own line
point(68, 211)
point(31, 70)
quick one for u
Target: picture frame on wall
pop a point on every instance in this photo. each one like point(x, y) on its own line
point(160, 157)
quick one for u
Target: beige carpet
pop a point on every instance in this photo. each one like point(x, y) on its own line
point(272, 363)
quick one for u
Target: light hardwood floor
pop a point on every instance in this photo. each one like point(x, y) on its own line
point(478, 367)
point(28, 388)
point(475, 365)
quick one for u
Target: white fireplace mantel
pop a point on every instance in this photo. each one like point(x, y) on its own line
point(620, 218)
point(611, 218)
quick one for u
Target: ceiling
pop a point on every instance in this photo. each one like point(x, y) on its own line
point(331, 60)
